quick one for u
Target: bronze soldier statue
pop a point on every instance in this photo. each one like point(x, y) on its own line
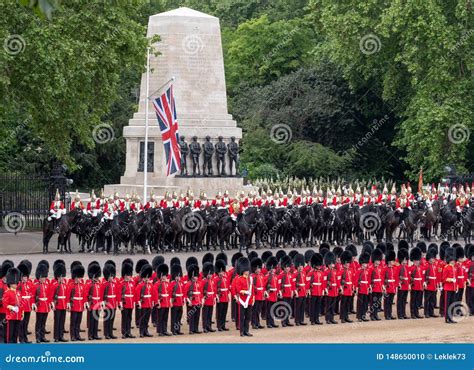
point(233, 155)
point(208, 153)
point(184, 149)
point(221, 151)
point(195, 149)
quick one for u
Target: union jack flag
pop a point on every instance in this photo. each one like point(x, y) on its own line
point(166, 113)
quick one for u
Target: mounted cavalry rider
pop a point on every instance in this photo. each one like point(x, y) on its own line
point(410, 195)
point(226, 198)
point(373, 194)
point(358, 195)
point(56, 209)
point(337, 199)
point(77, 204)
point(383, 197)
point(182, 202)
point(218, 201)
point(92, 206)
point(461, 203)
point(195, 204)
point(153, 202)
point(403, 205)
point(136, 206)
point(101, 201)
point(205, 203)
point(117, 200)
point(126, 204)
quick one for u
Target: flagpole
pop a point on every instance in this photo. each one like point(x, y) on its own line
point(145, 151)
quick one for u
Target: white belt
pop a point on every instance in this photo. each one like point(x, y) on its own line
point(129, 295)
point(95, 298)
point(178, 295)
point(26, 296)
point(59, 297)
point(273, 289)
point(147, 296)
point(432, 277)
point(165, 295)
point(460, 277)
point(349, 283)
point(43, 299)
point(259, 288)
point(111, 296)
point(224, 290)
point(316, 283)
point(78, 298)
point(196, 292)
point(333, 284)
point(404, 278)
point(377, 280)
point(210, 293)
point(390, 281)
point(287, 285)
point(417, 279)
point(365, 282)
point(301, 284)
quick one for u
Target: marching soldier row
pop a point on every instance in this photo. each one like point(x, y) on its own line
point(312, 285)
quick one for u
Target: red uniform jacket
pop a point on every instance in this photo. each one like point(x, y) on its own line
point(300, 284)
point(27, 294)
point(287, 284)
point(347, 282)
point(161, 294)
point(271, 287)
point(439, 270)
point(176, 292)
point(110, 294)
point(127, 296)
point(244, 284)
point(332, 284)
point(93, 293)
point(193, 292)
point(317, 283)
point(143, 294)
point(461, 275)
point(363, 281)
point(259, 286)
point(390, 280)
point(3, 288)
point(13, 298)
point(222, 289)
point(416, 278)
point(404, 277)
point(76, 296)
point(430, 277)
point(209, 291)
point(41, 297)
point(376, 278)
point(449, 278)
point(58, 294)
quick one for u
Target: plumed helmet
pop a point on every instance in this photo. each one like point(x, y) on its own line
point(207, 269)
point(193, 271)
point(402, 255)
point(316, 260)
point(23, 268)
point(329, 258)
point(298, 260)
point(146, 270)
point(459, 252)
point(235, 258)
point(307, 255)
point(280, 254)
point(93, 270)
point(191, 261)
point(266, 255)
point(352, 248)
point(415, 254)
point(59, 271)
point(390, 256)
point(41, 271)
point(403, 244)
point(364, 258)
point(220, 266)
point(140, 263)
point(271, 263)
point(285, 262)
point(222, 256)
point(175, 261)
point(243, 265)
point(157, 261)
point(176, 270)
point(338, 251)
point(255, 264)
point(78, 271)
point(13, 276)
point(377, 255)
point(208, 257)
point(162, 270)
point(109, 271)
point(127, 269)
point(346, 257)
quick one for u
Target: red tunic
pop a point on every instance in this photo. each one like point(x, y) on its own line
point(93, 294)
point(13, 298)
point(76, 296)
point(430, 277)
point(332, 283)
point(416, 278)
point(461, 275)
point(176, 292)
point(363, 281)
point(127, 296)
point(317, 283)
point(222, 289)
point(376, 275)
point(404, 277)
point(449, 278)
point(58, 294)
point(244, 284)
point(390, 280)
point(287, 287)
point(208, 291)
point(41, 297)
point(193, 292)
point(161, 294)
point(27, 294)
point(347, 282)
point(271, 286)
point(300, 284)
point(143, 294)
point(259, 286)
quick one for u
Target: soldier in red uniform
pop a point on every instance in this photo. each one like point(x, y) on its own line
point(93, 299)
point(3, 287)
point(26, 288)
point(416, 283)
point(286, 286)
point(223, 295)
point(271, 290)
point(316, 287)
point(12, 302)
point(193, 293)
point(300, 289)
point(449, 285)
point(430, 285)
point(127, 301)
point(332, 287)
point(390, 284)
point(404, 283)
point(162, 299)
point(143, 297)
point(363, 287)
point(470, 280)
point(58, 298)
point(259, 289)
point(76, 301)
point(347, 286)
point(209, 296)
point(176, 291)
point(109, 293)
point(245, 296)
point(376, 280)
point(461, 274)
point(41, 305)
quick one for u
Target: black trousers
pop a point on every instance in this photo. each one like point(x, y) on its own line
point(362, 306)
point(256, 312)
point(75, 325)
point(58, 326)
point(268, 315)
point(233, 311)
point(109, 317)
point(442, 297)
point(387, 305)
point(330, 308)
point(449, 299)
point(127, 321)
point(470, 299)
point(459, 294)
point(12, 331)
point(299, 309)
point(221, 314)
point(263, 310)
point(337, 305)
point(289, 301)
point(162, 322)
point(93, 322)
point(154, 317)
point(244, 315)
point(40, 325)
point(24, 327)
point(345, 307)
point(375, 304)
point(430, 302)
point(194, 314)
point(144, 318)
point(207, 317)
point(137, 316)
point(402, 303)
point(414, 302)
point(315, 308)
point(176, 315)
point(3, 328)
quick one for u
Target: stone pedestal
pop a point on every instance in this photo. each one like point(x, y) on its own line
point(191, 51)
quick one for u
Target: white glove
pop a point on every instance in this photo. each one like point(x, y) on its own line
point(15, 309)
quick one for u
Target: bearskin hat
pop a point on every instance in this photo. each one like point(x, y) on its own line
point(364, 258)
point(243, 264)
point(127, 269)
point(390, 256)
point(93, 270)
point(415, 254)
point(6, 265)
point(222, 256)
point(338, 251)
point(157, 261)
point(255, 264)
point(280, 254)
point(23, 268)
point(127, 260)
point(329, 258)
point(41, 271)
point(324, 245)
point(59, 271)
point(266, 255)
point(191, 261)
point(298, 260)
point(369, 243)
point(140, 263)
point(110, 262)
point(366, 249)
point(402, 255)
point(193, 271)
point(29, 265)
point(176, 270)
point(450, 254)
point(431, 254)
point(46, 263)
point(383, 247)
point(433, 246)
point(220, 266)
point(316, 260)
point(78, 271)
point(403, 244)
point(146, 271)
point(207, 269)
point(323, 251)
point(175, 261)
point(208, 257)
point(307, 255)
point(377, 255)
point(285, 262)
point(272, 263)
point(352, 248)
point(470, 252)
point(235, 258)
point(109, 271)
point(459, 252)
point(346, 257)
point(292, 254)
point(162, 270)
point(13, 276)
point(421, 246)
point(390, 246)
point(251, 255)
point(57, 262)
point(75, 263)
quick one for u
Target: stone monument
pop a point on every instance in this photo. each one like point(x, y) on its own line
point(191, 51)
